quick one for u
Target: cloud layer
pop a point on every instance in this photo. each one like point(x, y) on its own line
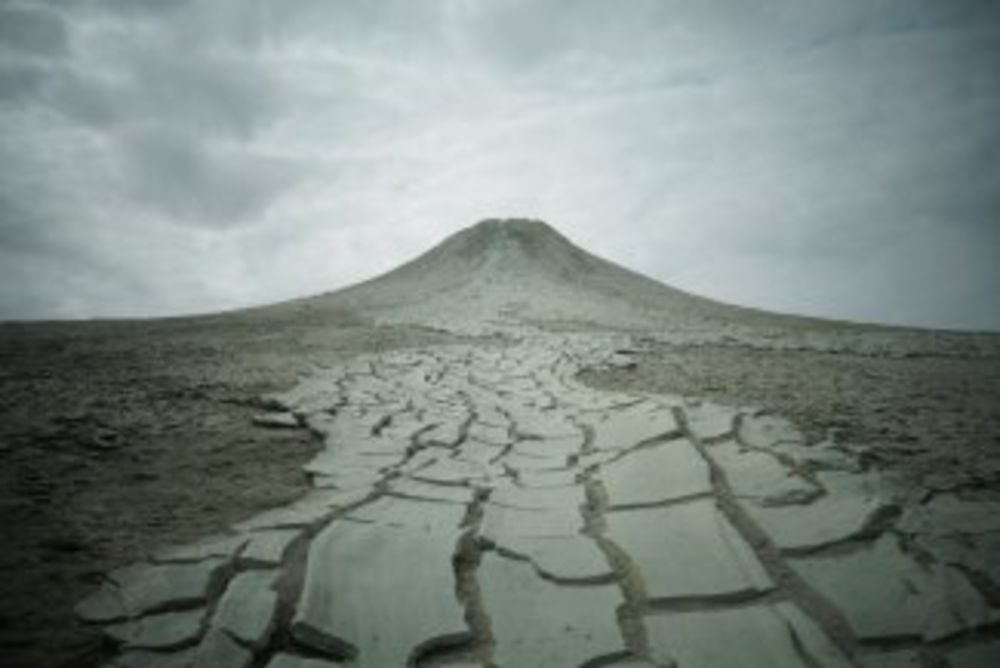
point(838, 159)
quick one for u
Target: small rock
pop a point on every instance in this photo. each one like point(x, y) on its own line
point(106, 439)
point(276, 420)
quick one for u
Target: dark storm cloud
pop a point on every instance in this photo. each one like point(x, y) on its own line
point(19, 82)
point(825, 157)
point(32, 30)
point(160, 79)
point(43, 251)
point(196, 183)
point(24, 231)
point(201, 94)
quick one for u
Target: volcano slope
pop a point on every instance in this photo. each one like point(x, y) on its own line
point(522, 455)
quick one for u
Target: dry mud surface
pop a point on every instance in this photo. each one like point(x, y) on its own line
point(503, 454)
point(107, 461)
point(936, 418)
point(118, 437)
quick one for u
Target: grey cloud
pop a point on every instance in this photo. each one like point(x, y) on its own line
point(196, 183)
point(32, 31)
point(86, 98)
point(180, 64)
point(839, 23)
point(24, 230)
point(48, 265)
point(214, 93)
point(127, 8)
point(68, 286)
point(20, 82)
point(386, 24)
point(190, 91)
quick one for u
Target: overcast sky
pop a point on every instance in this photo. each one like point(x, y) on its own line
point(836, 158)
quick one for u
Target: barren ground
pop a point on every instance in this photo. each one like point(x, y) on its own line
point(935, 418)
point(119, 438)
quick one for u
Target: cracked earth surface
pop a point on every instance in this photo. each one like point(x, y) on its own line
point(482, 507)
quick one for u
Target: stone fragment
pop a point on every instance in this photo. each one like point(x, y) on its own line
point(347, 464)
point(311, 394)
point(536, 623)
point(315, 506)
point(687, 551)
point(546, 479)
point(501, 523)
point(414, 513)
point(379, 594)
point(541, 424)
point(493, 435)
point(853, 507)
point(218, 650)
point(512, 496)
point(562, 446)
point(142, 588)
point(522, 463)
point(283, 420)
point(883, 593)
point(623, 429)
point(294, 516)
point(389, 447)
point(595, 458)
point(268, 547)
point(422, 459)
point(766, 635)
point(222, 547)
point(165, 631)
point(620, 359)
point(567, 559)
point(708, 421)
point(759, 476)
point(292, 661)
point(407, 487)
point(446, 434)
point(247, 608)
point(764, 430)
point(488, 415)
point(453, 471)
point(347, 430)
point(674, 470)
point(346, 481)
point(105, 438)
point(479, 452)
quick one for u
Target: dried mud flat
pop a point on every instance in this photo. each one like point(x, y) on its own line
point(342, 481)
point(119, 437)
point(934, 418)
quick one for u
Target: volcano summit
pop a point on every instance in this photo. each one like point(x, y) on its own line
point(506, 453)
point(501, 274)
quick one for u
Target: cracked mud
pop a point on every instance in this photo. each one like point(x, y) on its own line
point(482, 507)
